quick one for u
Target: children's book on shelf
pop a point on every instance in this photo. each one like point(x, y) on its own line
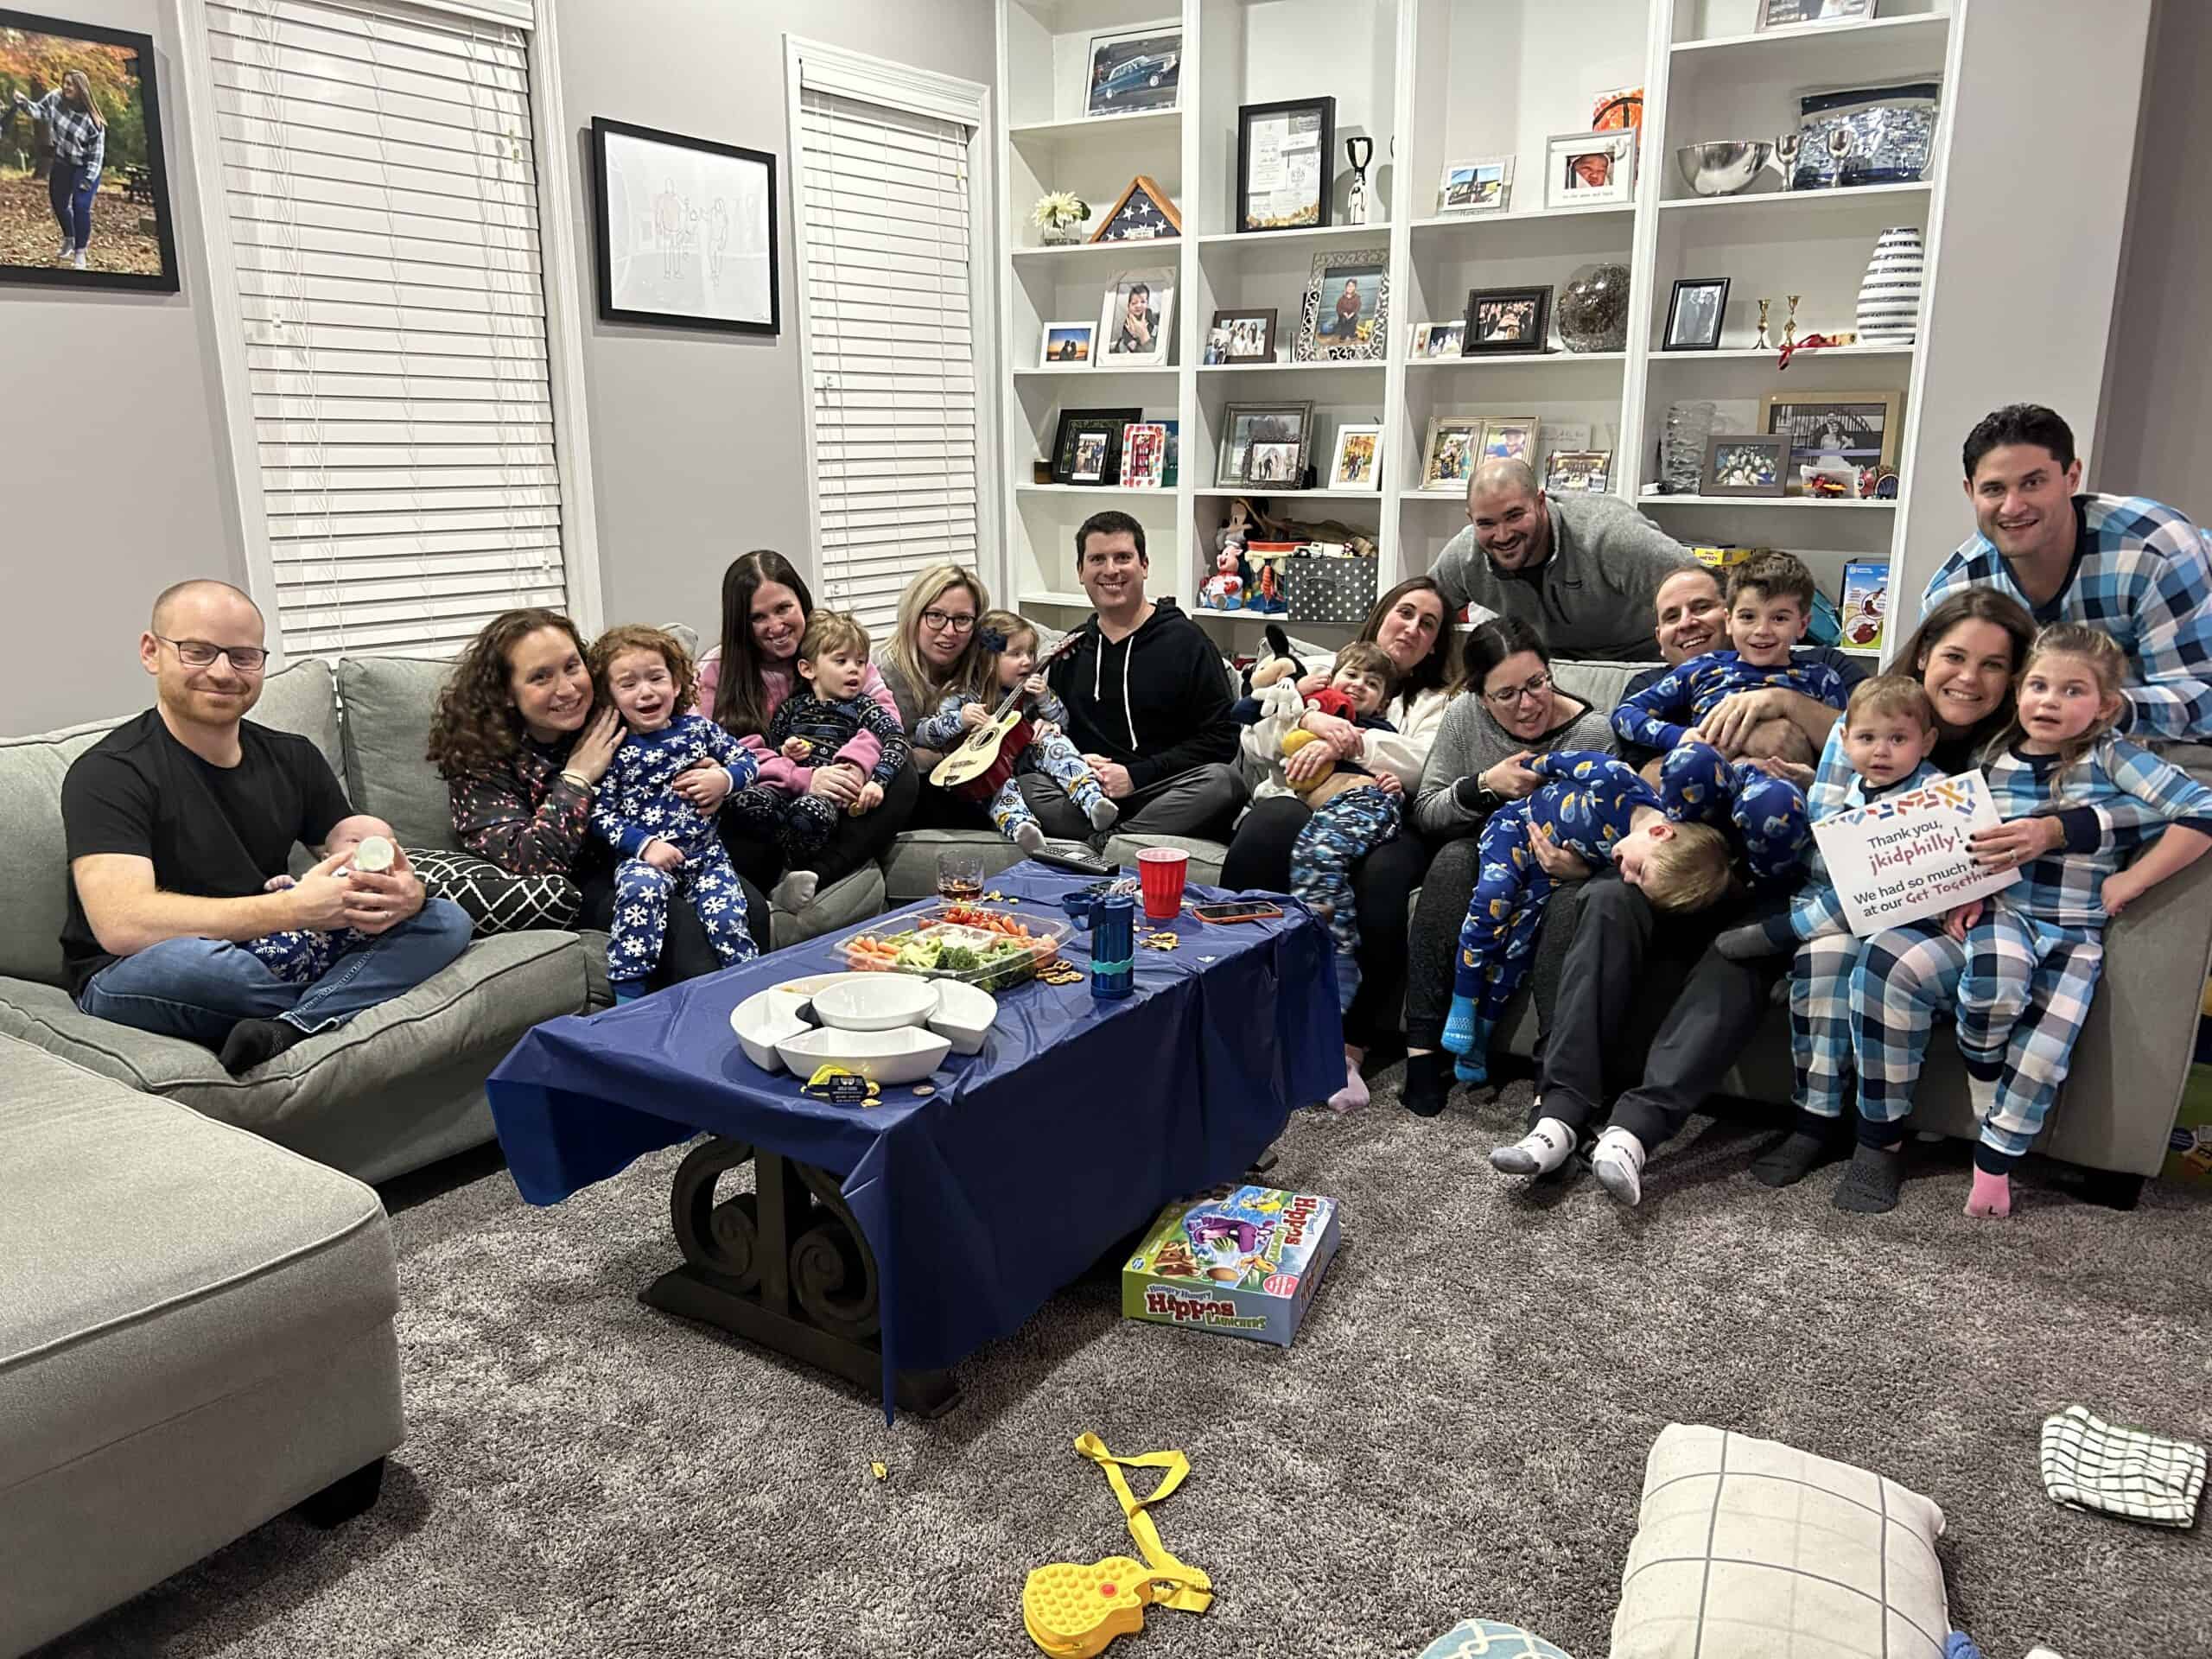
point(1244, 1262)
point(1865, 603)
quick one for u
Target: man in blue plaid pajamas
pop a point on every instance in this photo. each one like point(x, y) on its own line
point(2136, 569)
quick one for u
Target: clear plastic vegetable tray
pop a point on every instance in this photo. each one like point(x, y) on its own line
point(976, 944)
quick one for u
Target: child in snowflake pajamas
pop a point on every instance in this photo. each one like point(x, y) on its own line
point(1596, 807)
point(1770, 602)
point(302, 956)
point(657, 804)
point(1047, 751)
point(2034, 950)
point(1355, 810)
point(820, 722)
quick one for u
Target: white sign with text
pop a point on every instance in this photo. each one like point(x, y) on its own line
point(1906, 856)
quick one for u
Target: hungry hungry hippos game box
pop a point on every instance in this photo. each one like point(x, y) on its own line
point(1244, 1261)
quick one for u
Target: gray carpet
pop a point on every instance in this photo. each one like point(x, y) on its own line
point(1460, 1428)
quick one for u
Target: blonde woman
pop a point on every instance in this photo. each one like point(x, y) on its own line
point(936, 652)
point(77, 133)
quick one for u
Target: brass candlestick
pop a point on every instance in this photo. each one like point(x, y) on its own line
point(1764, 344)
point(1789, 328)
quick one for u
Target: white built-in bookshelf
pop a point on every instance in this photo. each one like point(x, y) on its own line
point(1431, 81)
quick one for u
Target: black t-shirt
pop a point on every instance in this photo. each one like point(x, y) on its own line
point(212, 832)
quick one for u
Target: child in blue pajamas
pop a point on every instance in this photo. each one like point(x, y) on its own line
point(656, 807)
point(1047, 751)
point(819, 724)
point(1664, 841)
point(302, 956)
point(2034, 950)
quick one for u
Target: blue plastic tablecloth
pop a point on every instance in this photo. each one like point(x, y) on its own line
point(1074, 1124)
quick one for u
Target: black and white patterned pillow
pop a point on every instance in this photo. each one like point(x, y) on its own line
point(497, 900)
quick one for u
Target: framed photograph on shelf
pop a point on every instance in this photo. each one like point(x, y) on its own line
point(1439, 338)
point(1285, 162)
point(1509, 437)
point(1447, 459)
point(1578, 472)
point(1865, 604)
point(1277, 431)
point(1841, 435)
point(1746, 464)
point(1134, 70)
point(1347, 311)
point(1693, 315)
point(1591, 169)
point(1502, 319)
point(1066, 344)
point(1093, 447)
point(1790, 13)
point(1137, 320)
point(1482, 186)
point(641, 175)
point(1357, 464)
point(1242, 337)
point(88, 96)
point(1078, 422)
point(1144, 456)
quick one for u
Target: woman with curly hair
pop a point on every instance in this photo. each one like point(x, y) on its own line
point(522, 746)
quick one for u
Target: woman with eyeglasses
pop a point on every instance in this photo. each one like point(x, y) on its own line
point(1507, 712)
point(766, 605)
point(937, 652)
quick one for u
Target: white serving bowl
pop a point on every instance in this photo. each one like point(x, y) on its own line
point(964, 1015)
point(764, 1020)
point(902, 1054)
point(876, 1002)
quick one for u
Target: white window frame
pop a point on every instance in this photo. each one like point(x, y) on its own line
point(944, 98)
point(556, 236)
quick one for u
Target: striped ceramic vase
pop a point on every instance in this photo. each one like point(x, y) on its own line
point(1889, 297)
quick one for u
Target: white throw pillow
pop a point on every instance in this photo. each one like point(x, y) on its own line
point(1747, 1548)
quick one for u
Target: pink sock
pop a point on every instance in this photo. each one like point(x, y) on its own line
point(1991, 1194)
point(1353, 1095)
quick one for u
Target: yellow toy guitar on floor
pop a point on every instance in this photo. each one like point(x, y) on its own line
point(1073, 1611)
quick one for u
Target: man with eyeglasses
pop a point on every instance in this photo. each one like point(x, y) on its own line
point(1581, 570)
point(1148, 702)
point(178, 823)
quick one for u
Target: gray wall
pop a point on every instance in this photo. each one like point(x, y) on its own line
point(698, 451)
point(2157, 423)
point(112, 463)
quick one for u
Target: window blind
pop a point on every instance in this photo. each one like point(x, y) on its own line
point(890, 332)
point(382, 204)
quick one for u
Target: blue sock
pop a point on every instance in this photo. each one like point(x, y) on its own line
point(627, 990)
point(1459, 1025)
point(1473, 1066)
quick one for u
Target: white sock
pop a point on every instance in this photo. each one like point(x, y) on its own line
point(1353, 1095)
point(795, 892)
point(1618, 1165)
point(1104, 813)
point(1029, 836)
point(1540, 1152)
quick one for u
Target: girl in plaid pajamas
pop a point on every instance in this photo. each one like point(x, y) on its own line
point(656, 806)
point(2033, 950)
point(1014, 641)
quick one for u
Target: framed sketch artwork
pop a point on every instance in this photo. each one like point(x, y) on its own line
point(84, 188)
point(687, 230)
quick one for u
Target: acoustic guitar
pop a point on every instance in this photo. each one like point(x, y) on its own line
point(980, 766)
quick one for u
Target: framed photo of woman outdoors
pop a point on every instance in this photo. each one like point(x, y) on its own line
point(80, 113)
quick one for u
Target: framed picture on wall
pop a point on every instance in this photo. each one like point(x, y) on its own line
point(1134, 70)
point(687, 230)
point(84, 184)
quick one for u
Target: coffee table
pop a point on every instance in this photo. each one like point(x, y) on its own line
point(886, 1243)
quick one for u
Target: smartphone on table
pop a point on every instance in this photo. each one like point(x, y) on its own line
point(1238, 910)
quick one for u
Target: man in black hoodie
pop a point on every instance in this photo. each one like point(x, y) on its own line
point(1148, 702)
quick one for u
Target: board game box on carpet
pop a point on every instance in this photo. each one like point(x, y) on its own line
point(1244, 1261)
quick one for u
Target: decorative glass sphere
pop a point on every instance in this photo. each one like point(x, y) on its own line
point(1593, 309)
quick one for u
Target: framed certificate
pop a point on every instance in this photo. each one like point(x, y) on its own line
point(1283, 161)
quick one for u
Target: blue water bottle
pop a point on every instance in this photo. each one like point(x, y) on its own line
point(1113, 947)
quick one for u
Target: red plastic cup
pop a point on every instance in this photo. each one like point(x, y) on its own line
point(1161, 872)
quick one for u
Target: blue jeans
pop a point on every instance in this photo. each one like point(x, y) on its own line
point(70, 190)
point(199, 988)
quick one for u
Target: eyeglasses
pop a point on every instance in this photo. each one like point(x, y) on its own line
point(944, 621)
point(1536, 688)
point(198, 653)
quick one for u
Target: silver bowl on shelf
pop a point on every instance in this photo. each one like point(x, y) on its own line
point(1724, 166)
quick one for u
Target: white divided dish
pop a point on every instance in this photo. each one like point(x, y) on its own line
point(964, 1015)
point(902, 1054)
point(766, 1019)
point(876, 1002)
